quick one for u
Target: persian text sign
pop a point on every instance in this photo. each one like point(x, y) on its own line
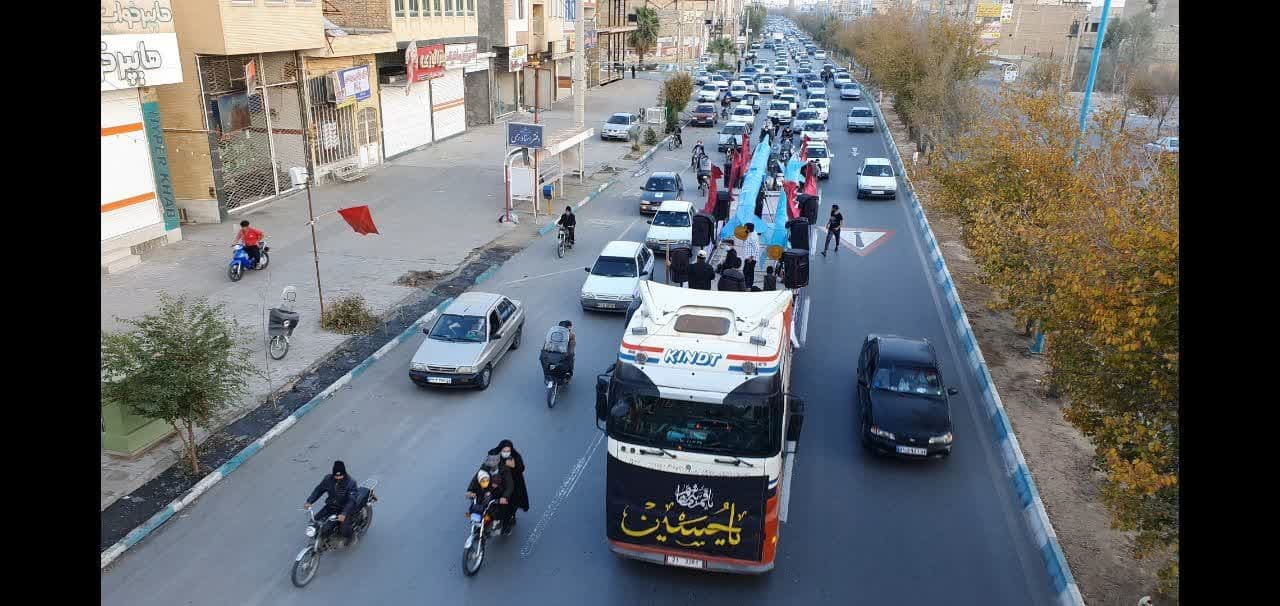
point(353, 85)
point(136, 16)
point(431, 62)
point(459, 55)
point(133, 60)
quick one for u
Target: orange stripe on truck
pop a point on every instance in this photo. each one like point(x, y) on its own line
point(130, 201)
point(121, 129)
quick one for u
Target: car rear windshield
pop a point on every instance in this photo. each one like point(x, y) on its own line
point(614, 267)
point(859, 113)
point(618, 120)
point(732, 129)
point(742, 111)
point(807, 114)
point(779, 105)
point(818, 103)
point(808, 126)
point(877, 170)
point(453, 327)
point(671, 218)
point(657, 183)
point(908, 379)
point(704, 109)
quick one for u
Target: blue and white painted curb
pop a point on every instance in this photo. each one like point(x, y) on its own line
point(141, 532)
point(1015, 465)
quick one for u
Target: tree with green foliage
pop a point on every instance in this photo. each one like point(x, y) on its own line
point(182, 364)
point(645, 36)
point(755, 21)
point(721, 46)
point(673, 96)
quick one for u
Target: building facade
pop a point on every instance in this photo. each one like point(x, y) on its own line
point(612, 28)
point(138, 56)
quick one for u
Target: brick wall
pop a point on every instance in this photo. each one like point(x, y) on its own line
point(371, 14)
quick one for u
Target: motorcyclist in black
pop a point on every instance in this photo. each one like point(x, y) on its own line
point(341, 490)
point(675, 134)
point(500, 486)
point(569, 222)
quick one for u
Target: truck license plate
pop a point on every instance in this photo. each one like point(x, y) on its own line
point(686, 562)
point(911, 450)
point(439, 380)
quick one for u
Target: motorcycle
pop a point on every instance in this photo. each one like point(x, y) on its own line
point(557, 370)
point(563, 242)
point(483, 527)
point(241, 263)
point(319, 541)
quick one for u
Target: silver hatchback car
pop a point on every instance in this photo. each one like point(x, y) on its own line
point(466, 341)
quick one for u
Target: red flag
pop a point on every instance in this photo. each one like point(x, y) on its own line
point(793, 207)
point(804, 149)
point(810, 179)
point(746, 151)
point(359, 219)
point(716, 173)
point(734, 169)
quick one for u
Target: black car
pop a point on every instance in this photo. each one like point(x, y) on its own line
point(903, 406)
point(661, 187)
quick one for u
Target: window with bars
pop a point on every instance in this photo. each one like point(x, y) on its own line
point(399, 7)
point(414, 9)
point(448, 8)
point(438, 11)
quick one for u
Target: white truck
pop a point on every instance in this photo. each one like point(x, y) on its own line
point(702, 428)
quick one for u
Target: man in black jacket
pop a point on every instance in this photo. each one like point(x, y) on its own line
point(569, 222)
point(341, 490)
point(700, 273)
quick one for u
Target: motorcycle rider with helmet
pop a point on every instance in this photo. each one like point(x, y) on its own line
point(341, 490)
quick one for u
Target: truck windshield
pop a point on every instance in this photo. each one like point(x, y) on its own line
point(746, 430)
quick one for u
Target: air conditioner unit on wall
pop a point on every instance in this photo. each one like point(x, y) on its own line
point(332, 89)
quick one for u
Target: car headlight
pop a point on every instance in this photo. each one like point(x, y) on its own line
point(419, 366)
point(588, 295)
point(876, 431)
point(466, 370)
point(942, 439)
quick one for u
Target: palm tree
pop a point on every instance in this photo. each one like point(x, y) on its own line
point(722, 45)
point(645, 36)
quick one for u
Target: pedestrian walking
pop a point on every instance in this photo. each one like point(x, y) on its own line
point(833, 228)
point(751, 254)
point(633, 72)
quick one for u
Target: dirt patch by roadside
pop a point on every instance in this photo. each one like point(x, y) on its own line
point(1059, 456)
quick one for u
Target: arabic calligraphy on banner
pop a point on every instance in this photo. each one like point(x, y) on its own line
point(459, 55)
point(431, 62)
point(133, 60)
point(716, 515)
point(136, 16)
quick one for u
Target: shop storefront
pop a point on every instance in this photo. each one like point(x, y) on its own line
point(508, 65)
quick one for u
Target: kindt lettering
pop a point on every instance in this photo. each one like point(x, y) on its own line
point(691, 358)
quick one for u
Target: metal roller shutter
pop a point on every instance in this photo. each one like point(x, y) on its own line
point(127, 187)
point(406, 119)
point(448, 109)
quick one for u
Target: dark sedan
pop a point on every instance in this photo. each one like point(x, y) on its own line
point(903, 406)
point(705, 114)
point(660, 187)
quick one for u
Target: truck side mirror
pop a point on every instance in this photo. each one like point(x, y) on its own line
point(951, 391)
point(796, 422)
point(602, 398)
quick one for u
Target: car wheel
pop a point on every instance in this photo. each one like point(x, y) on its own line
point(486, 375)
point(859, 195)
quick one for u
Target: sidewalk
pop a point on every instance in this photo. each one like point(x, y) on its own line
point(436, 209)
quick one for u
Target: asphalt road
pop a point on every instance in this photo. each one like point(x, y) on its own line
point(862, 529)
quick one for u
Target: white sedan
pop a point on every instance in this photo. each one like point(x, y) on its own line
point(614, 279)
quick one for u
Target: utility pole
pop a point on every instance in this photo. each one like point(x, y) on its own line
point(1093, 73)
point(579, 72)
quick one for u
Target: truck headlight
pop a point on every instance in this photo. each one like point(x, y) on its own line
point(942, 439)
point(876, 431)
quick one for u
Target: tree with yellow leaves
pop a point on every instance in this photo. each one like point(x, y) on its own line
point(1092, 250)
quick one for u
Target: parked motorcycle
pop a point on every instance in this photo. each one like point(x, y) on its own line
point(483, 527)
point(322, 535)
point(241, 263)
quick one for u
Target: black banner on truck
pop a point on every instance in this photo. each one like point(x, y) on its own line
point(716, 516)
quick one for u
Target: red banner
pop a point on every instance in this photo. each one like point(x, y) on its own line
point(804, 149)
point(810, 179)
point(793, 207)
point(746, 150)
point(716, 173)
point(431, 60)
point(359, 218)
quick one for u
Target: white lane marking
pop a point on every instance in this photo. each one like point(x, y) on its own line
point(554, 273)
point(566, 487)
